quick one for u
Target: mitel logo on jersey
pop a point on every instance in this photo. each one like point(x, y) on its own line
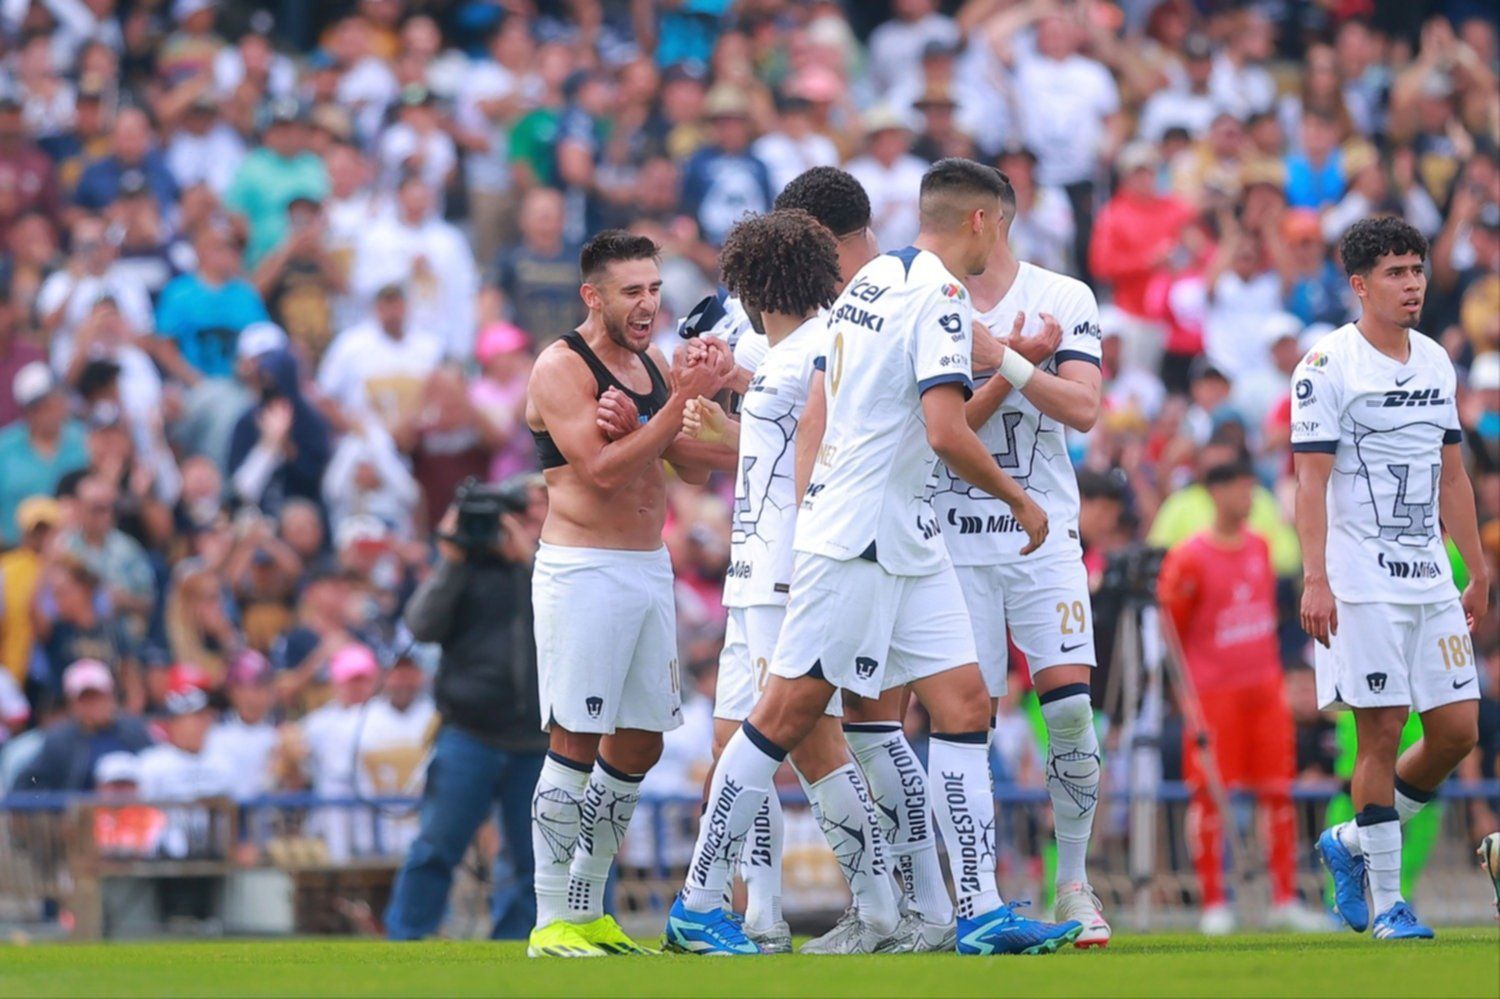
point(995, 523)
point(1409, 570)
point(929, 528)
point(1402, 397)
point(738, 569)
point(953, 325)
point(1376, 682)
point(1088, 329)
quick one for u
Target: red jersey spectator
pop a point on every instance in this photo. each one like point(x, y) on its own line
point(1220, 593)
point(27, 179)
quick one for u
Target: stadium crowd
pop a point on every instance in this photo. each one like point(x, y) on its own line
point(270, 291)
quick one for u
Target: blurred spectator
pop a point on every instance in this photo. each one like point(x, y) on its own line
point(1192, 107)
point(116, 558)
point(21, 571)
point(489, 102)
point(301, 279)
point(41, 447)
point(1241, 83)
point(84, 138)
point(93, 272)
point(539, 275)
point(201, 313)
point(27, 179)
point(199, 623)
point(891, 176)
point(449, 439)
point(204, 148)
point(280, 447)
point(272, 175)
point(74, 621)
point(368, 476)
point(794, 145)
point(427, 257)
point(16, 352)
point(379, 365)
point(499, 396)
point(180, 768)
point(417, 144)
point(243, 738)
point(1315, 169)
point(896, 46)
point(94, 728)
point(133, 159)
point(724, 180)
point(1042, 231)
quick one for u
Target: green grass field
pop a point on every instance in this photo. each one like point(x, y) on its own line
point(1461, 962)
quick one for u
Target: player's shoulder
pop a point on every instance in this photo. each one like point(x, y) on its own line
point(1061, 286)
point(1329, 351)
point(1429, 353)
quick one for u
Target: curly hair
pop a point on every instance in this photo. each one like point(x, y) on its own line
point(830, 195)
point(1370, 239)
point(784, 261)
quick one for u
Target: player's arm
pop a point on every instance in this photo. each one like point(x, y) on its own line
point(1320, 617)
point(563, 393)
point(956, 443)
point(810, 433)
point(1177, 587)
point(692, 460)
point(1456, 504)
point(1071, 396)
point(1036, 348)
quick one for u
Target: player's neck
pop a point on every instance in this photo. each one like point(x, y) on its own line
point(780, 325)
point(989, 288)
point(603, 345)
point(1227, 533)
point(945, 250)
point(1391, 340)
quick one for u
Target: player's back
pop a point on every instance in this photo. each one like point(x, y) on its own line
point(901, 326)
point(1030, 446)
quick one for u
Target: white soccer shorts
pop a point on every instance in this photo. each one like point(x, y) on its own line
point(867, 630)
point(1045, 604)
point(750, 637)
point(606, 639)
point(1419, 656)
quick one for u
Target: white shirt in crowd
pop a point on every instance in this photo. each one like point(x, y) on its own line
point(1237, 312)
point(486, 80)
point(894, 192)
point(366, 90)
point(1170, 108)
point(245, 750)
point(440, 300)
point(367, 371)
point(79, 294)
point(786, 157)
point(896, 49)
point(391, 744)
point(393, 501)
point(1043, 233)
point(401, 142)
point(1063, 105)
point(210, 159)
point(1241, 90)
point(169, 773)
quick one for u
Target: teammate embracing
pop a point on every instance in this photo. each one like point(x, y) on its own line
point(1376, 437)
point(1022, 414)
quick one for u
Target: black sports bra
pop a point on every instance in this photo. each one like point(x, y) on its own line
point(548, 455)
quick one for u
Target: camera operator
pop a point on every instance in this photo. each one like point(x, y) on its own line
point(477, 605)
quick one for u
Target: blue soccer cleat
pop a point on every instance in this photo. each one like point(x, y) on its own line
point(711, 933)
point(1400, 923)
point(1348, 872)
point(1001, 931)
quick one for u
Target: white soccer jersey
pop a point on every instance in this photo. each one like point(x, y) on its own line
point(1385, 423)
point(1030, 447)
point(900, 327)
point(765, 490)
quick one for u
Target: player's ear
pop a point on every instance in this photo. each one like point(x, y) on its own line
point(591, 297)
point(1357, 282)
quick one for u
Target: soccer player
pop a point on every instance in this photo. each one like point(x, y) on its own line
point(873, 592)
point(1375, 439)
point(783, 268)
point(1022, 414)
point(602, 587)
point(1219, 589)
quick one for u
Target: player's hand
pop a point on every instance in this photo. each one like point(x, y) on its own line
point(710, 351)
point(988, 350)
point(1320, 615)
point(1042, 344)
point(1475, 600)
point(705, 420)
point(693, 379)
point(617, 415)
point(1033, 520)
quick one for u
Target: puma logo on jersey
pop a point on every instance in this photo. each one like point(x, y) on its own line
point(1415, 397)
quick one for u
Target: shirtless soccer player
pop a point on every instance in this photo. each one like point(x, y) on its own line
point(873, 592)
point(1022, 415)
point(1375, 438)
point(606, 630)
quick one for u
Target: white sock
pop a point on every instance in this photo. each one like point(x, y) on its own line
point(609, 801)
point(743, 779)
point(1347, 833)
point(1410, 799)
point(842, 805)
point(760, 866)
point(964, 801)
point(1072, 776)
point(1380, 841)
point(555, 809)
point(898, 790)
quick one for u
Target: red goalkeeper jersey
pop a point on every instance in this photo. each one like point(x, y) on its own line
point(1223, 600)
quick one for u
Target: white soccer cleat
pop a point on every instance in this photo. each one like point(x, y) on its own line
point(849, 936)
point(1078, 902)
point(773, 939)
point(1294, 917)
point(1216, 921)
point(915, 935)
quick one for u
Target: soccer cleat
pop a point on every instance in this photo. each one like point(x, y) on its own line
point(1348, 873)
point(774, 939)
point(1216, 921)
point(607, 935)
point(849, 935)
point(1489, 859)
point(1001, 931)
point(560, 939)
point(1400, 923)
point(712, 933)
point(915, 935)
point(1294, 917)
point(1077, 902)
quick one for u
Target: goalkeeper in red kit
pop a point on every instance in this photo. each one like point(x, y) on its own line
point(1219, 590)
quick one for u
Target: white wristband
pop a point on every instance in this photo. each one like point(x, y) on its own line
point(1016, 369)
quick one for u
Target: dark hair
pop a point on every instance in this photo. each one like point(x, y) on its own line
point(1370, 239)
point(1231, 471)
point(830, 195)
point(955, 179)
point(1007, 194)
point(612, 245)
point(785, 261)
